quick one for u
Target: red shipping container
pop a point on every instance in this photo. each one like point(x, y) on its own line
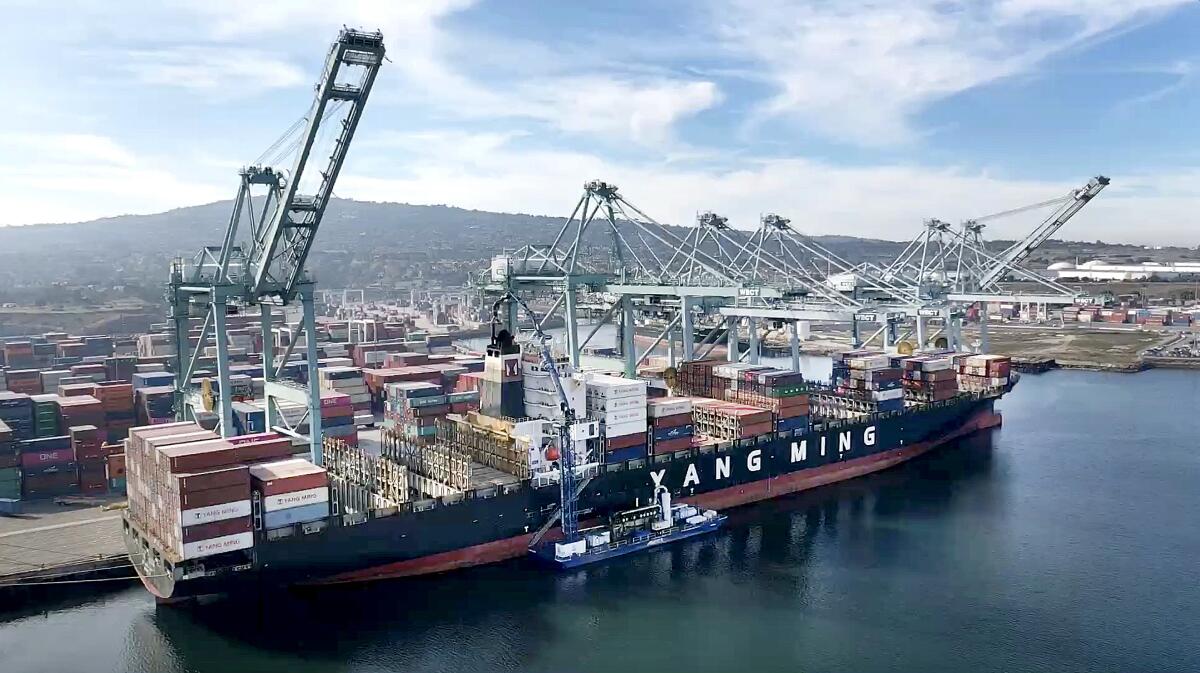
point(213, 496)
point(44, 458)
point(287, 476)
point(219, 478)
point(624, 441)
point(672, 421)
point(215, 529)
point(54, 483)
point(671, 445)
point(755, 430)
point(271, 449)
point(197, 456)
point(256, 437)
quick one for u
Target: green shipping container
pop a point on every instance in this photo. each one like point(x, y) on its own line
point(10, 489)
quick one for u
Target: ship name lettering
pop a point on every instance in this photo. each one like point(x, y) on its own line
point(869, 436)
point(800, 451)
point(844, 441)
point(657, 476)
point(754, 460)
point(722, 467)
point(692, 477)
point(822, 445)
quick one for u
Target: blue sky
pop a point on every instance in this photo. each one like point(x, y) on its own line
point(856, 117)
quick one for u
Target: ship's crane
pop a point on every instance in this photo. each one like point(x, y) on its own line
point(261, 261)
point(569, 483)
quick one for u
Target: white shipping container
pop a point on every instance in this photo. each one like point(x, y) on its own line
point(613, 387)
point(668, 407)
point(621, 417)
point(883, 395)
point(217, 545)
point(619, 404)
point(308, 496)
point(624, 429)
point(870, 362)
point(218, 512)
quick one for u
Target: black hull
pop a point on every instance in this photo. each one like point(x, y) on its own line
point(492, 526)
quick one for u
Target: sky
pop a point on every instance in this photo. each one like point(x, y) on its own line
point(855, 117)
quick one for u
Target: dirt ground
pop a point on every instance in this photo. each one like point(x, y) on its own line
point(1072, 347)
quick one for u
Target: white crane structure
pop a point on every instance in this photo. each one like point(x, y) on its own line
point(261, 262)
point(611, 249)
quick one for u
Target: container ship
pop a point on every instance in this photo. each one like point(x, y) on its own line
point(465, 468)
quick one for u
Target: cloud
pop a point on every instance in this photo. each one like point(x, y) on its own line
point(211, 68)
point(889, 201)
point(860, 70)
point(74, 177)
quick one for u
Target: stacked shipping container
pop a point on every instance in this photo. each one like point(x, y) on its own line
point(672, 427)
point(189, 491)
point(620, 406)
point(979, 373)
point(929, 379)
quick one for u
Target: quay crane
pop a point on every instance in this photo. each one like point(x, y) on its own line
point(261, 261)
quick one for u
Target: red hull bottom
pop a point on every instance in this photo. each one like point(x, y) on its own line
point(513, 547)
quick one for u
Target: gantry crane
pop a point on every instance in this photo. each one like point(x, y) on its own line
point(261, 261)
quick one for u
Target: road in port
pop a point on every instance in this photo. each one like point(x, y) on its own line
point(1065, 541)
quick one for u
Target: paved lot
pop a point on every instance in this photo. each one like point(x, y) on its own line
point(47, 536)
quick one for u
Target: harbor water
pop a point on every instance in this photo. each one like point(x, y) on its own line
point(1064, 541)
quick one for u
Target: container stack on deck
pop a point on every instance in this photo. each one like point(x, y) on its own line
point(620, 406)
point(414, 408)
point(981, 373)
point(929, 379)
point(783, 393)
point(672, 427)
point(541, 396)
point(291, 491)
point(189, 491)
point(729, 421)
point(864, 382)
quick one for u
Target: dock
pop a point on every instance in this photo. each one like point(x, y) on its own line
point(55, 543)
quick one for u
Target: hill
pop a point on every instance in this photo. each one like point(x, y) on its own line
point(360, 244)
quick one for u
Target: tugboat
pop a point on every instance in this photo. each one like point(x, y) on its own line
point(632, 531)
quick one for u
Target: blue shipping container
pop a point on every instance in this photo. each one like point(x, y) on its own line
point(663, 434)
point(291, 515)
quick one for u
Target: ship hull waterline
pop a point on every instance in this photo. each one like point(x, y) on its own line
point(271, 569)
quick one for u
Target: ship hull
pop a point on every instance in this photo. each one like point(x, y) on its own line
point(482, 530)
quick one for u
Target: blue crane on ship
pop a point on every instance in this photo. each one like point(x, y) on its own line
point(570, 483)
